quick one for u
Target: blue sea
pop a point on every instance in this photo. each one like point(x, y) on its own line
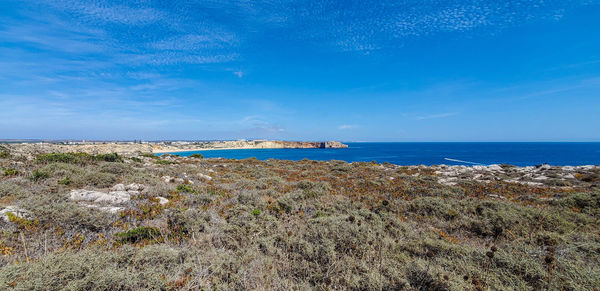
point(433, 153)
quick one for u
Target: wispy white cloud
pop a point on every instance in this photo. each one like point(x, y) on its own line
point(347, 126)
point(103, 11)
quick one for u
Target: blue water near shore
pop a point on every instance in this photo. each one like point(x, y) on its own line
point(433, 153)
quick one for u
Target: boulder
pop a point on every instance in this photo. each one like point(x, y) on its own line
point(162, 200)
point(113, 197)
point(110, 209)
point(119, 187)
point(134, 187)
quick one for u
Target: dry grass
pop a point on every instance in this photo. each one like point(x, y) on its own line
point(293, 225)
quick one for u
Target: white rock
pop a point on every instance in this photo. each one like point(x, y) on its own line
point(541, 178)
point(495, 167)
point(586, 167)
point(119, 187)
point(110, 209)
point(569, 176)
point(162, 200)
point(497, 196)
point(206, 177)
point(113, 197)
point(135, 187)
point(22, 213)
point(533, 183)
point(448, 181)
point(568, 168)
point(167, 179)
point(179, 180)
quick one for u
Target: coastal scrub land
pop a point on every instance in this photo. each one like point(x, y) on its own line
point(163, 147)
point(133, 220)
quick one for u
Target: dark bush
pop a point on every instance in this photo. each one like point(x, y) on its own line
point(37, 175)
point(185, 188)
point(10, 172)
point(197, 156)
point(113, 158)
point(69, 158)
point(139, 234)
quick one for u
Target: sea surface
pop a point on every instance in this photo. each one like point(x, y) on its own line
point(433, 153)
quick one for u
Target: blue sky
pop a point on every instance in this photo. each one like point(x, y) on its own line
point(301, 70)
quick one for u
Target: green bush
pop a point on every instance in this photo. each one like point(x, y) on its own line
point(69, 158)
point(197, 156)
point(98, 179)
point(162, 162)
point(139, 234)
point(136, 159)
point(39, 175)
point(77, 158)
point(113, 158)
point(256, 212)
point(4, 152)
point(10, 172)
point(185, 188)
point(65, 181)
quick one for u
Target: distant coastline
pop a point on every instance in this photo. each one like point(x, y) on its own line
point(162, 147)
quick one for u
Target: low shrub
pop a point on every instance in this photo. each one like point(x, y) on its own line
point(136, 159)
point(77, 158)
point(162, 162)
point(139, 234)
point(113, 158)
point(69, 158)
point(197, 156)
point(185, 188)
point(4, 154)
point(37, 175)
point(66, 181)
point(10, 172)
point(256, 212)
point(98, 179)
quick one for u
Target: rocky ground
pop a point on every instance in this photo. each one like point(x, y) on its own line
point(137, 221)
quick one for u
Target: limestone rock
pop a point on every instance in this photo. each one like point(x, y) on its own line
point(205, 177)
point(113, 197)
point(162, 200)
point(134, 187)
point(119, 187)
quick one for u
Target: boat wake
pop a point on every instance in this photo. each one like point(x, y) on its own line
point(461, 161)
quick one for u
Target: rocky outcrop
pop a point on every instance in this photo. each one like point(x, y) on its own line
point(542, 175)
point(111, 201)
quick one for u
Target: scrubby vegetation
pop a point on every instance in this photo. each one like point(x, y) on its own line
point(250, 224)
point(77, 158)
